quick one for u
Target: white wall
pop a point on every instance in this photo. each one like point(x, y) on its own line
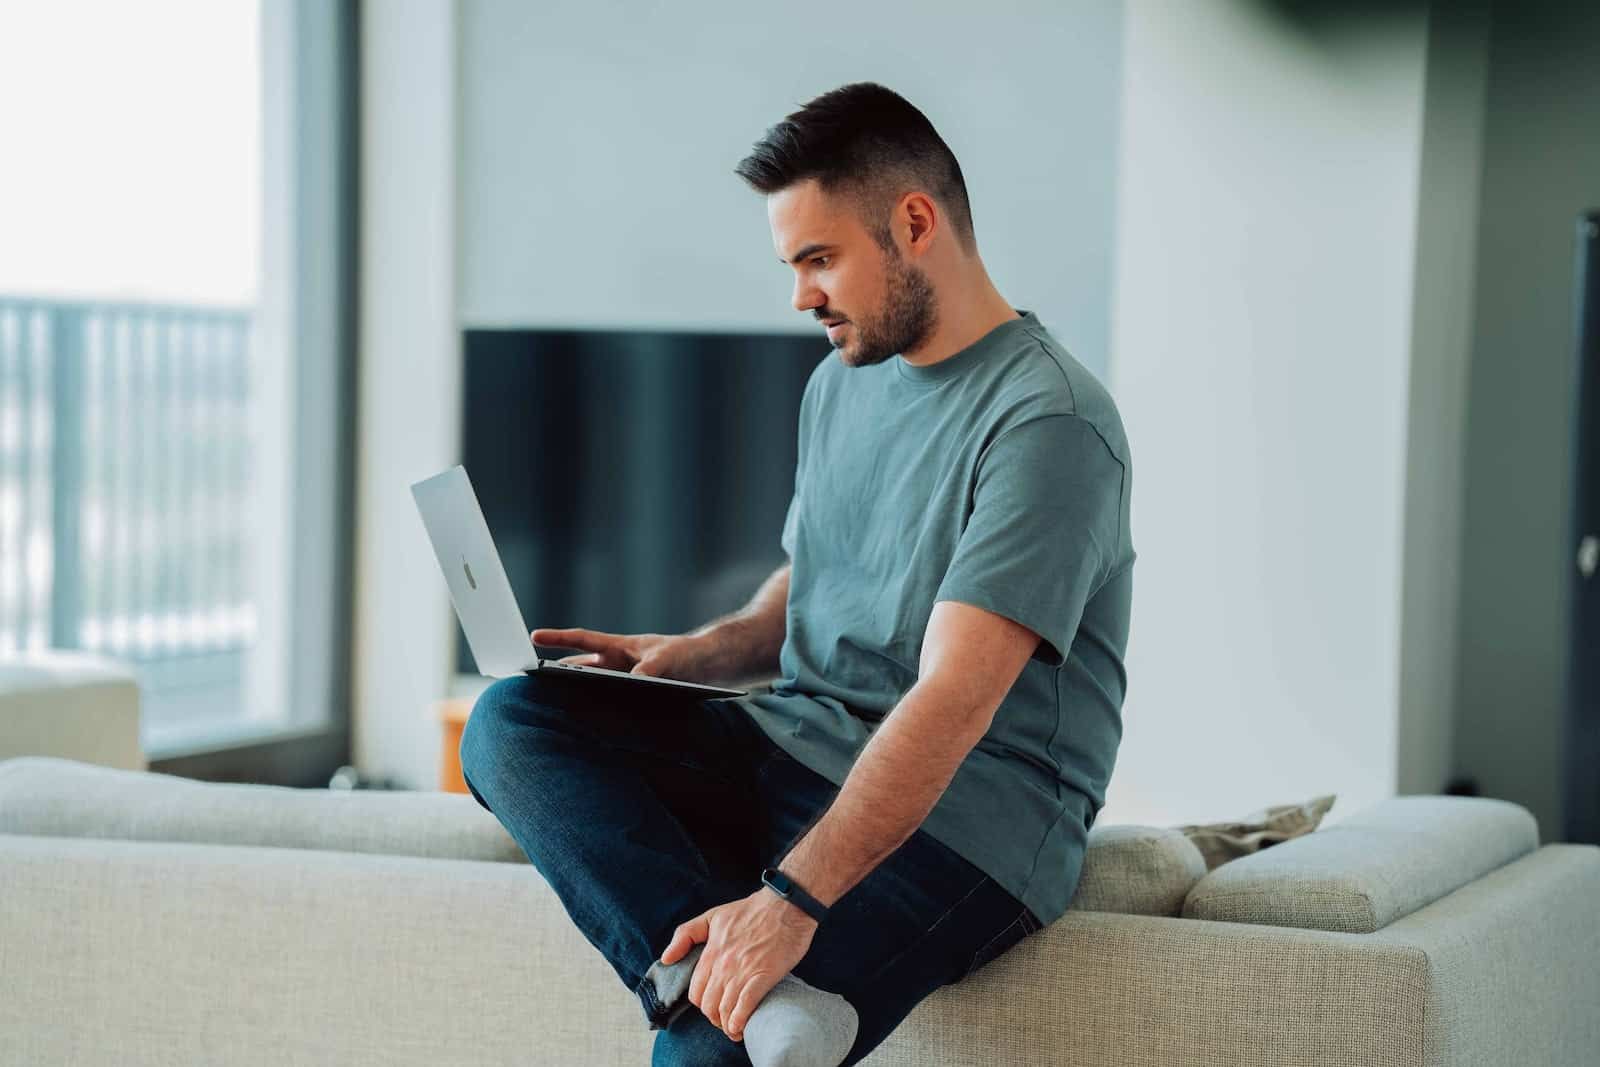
point(599, 140)
point(593, 181)
point(1250, 188)
point(409, 379)
point(1261, 324)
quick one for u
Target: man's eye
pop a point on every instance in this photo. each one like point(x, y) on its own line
point(820, 261)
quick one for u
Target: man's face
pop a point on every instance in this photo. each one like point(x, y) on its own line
point(879, 304)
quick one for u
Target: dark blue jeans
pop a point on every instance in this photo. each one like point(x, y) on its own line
point(644, 811)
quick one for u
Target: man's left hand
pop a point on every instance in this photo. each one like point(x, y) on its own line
point(750, 944)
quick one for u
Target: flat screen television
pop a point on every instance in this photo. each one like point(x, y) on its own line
point(635, 481)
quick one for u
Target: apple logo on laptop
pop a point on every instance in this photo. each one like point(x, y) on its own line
point(469, 573)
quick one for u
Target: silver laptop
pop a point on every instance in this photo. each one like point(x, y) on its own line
point(488, 610)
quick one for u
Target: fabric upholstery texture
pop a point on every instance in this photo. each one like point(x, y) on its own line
point(130, 952)
point(1513, 975)
point(71, 705)
point(1139, 870)
point(67, 798)
point(1361, 874)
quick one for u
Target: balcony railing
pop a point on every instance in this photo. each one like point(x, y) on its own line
point(125, 467)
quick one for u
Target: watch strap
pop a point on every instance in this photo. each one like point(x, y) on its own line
point(790, 890)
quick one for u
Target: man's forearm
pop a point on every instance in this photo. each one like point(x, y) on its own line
point(898, 777)
point(746, 643)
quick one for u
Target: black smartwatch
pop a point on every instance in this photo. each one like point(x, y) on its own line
point(790, 890)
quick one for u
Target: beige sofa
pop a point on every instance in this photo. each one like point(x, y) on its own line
point(149, 919)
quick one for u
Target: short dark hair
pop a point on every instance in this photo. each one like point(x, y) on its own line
point(869, 144)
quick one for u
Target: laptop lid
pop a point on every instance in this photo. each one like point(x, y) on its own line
point(479, 588)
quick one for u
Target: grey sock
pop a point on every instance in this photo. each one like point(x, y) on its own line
point(795, 1025)
point(798, 1025)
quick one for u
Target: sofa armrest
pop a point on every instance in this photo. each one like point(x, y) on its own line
point(1513, 962)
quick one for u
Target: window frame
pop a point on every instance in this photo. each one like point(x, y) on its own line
point(311, 80)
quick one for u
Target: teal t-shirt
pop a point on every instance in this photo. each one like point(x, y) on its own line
point(998, 477)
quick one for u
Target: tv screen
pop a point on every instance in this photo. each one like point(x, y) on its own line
point(634, 481)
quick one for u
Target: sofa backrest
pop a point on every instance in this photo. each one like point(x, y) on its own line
point(1357, 875)
point(1361, 874)
point(1139, 870)
point(44, 795)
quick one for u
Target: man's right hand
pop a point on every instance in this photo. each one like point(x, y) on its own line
point(688, 659)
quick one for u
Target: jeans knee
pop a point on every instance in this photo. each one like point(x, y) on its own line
point(483, 735)
point(505, 714)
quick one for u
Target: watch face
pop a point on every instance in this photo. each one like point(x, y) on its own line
point(785, 887)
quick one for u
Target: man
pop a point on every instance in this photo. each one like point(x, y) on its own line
point(950, 633)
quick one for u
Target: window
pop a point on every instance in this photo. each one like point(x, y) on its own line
point(175, 354)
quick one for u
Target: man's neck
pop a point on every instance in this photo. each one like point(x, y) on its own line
point(962, 324)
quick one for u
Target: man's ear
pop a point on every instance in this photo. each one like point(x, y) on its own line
point(918, 217)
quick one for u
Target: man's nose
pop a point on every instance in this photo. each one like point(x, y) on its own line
point(807, 296)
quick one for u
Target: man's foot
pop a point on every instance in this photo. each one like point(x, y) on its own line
point(799, 1025)
point(795, 1025)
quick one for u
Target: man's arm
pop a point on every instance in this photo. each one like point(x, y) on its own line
point(745, 645)
point(970, 659)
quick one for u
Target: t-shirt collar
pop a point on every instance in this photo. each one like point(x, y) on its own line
point(948, 368)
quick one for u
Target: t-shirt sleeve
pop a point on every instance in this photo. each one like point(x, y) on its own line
point(1043, 531)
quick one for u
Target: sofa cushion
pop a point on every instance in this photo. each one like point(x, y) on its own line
point(1137, 870)
point(66, 798)
point(1361, 874)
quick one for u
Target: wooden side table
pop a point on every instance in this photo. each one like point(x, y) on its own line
point(452, 713)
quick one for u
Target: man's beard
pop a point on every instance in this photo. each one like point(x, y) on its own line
point(907, 319)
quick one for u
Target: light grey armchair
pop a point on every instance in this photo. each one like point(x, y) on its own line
point(75, 705)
